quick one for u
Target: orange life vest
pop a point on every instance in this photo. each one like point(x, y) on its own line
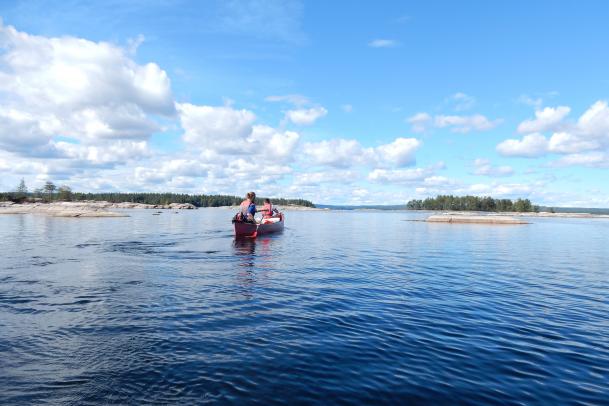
point(269, 210)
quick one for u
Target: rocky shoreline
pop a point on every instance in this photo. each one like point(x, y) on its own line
point(468, 219)
point(84, 208)
point(503, 217)
point(91, 208)
point(520, 214)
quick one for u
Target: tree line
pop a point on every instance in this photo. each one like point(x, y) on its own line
point(47, 193)
point(471, 203)
point(51, 192)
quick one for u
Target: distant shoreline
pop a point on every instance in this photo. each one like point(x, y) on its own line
point(458, 214)
point(462, 213)
point(104, 209)
point(94, 208)
point(559, 211)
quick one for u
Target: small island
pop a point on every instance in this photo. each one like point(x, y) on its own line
point(473, 203)
point(486, 210)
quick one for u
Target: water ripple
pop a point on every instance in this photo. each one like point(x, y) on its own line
point(342, 308)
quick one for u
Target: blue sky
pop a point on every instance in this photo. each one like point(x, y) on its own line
point(337, 102)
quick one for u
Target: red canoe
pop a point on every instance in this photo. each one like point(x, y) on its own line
point(269, 225)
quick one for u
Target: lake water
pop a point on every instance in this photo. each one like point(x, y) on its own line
point(342, 307)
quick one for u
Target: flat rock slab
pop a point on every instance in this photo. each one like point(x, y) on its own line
point(58, 211)
point(446, 218)
point(85, 213)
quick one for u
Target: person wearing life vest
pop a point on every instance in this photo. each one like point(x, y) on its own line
point(267, 209)
point(248, 207)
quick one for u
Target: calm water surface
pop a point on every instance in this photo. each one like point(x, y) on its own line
point(343, 307)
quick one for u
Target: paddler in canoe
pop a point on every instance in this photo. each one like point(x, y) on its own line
point(268, 209)
point(245, 224)
point(248, 208)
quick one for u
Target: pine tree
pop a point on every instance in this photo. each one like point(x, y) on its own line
point(21, 192)
point(64, 193)
point(49, 189)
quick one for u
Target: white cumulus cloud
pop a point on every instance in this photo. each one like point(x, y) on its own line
point(220, 128)
point(568, 143)
point(594, 123)
point(306, 116)
point(484, 167)
point(596, 159)
point(223, 130)
point(399, 175)
point(400, 152)
point(338, 153)
point(295, 99)
point(465, 124)
point(111, 153)
point(422, 122)
point(344, 153)
point(546, 119)
point(407, 176)
point(584, 142)
point(319, 177)
point(275, 145)
point(419, 122)
point(92, 92)
point(530, 146)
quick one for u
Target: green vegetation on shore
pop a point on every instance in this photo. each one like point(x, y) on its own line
point(50, 192)
point(472, 203)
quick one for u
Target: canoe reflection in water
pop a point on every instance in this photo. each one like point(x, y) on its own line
point(245, 248)
point(253, 255)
